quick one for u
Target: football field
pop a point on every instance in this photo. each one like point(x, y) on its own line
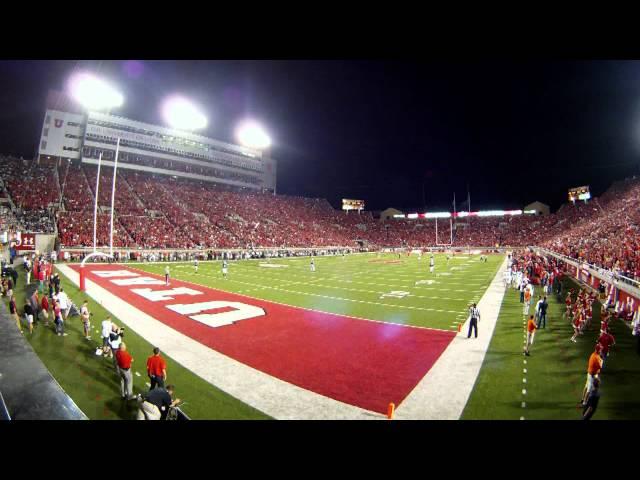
point(342, 341)
point(384, 288)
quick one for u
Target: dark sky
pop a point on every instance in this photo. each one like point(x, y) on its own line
point(378, 130)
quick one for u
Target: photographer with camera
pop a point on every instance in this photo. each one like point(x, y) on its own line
point(115, 340)
point(156, 403)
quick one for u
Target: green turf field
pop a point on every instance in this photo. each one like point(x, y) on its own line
point(386, 288)
point(555, 372)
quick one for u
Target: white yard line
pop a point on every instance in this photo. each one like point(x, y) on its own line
point(276, 398)
point(443, 392)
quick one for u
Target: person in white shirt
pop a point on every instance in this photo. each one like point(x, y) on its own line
point(313, 265)
point(54, 256)
point(27, 269)
point(195, 264)
point(85, 315)
point(166, 275)
point(65, 303)
point(107, 325)
point(507, 278)
point(432, 263)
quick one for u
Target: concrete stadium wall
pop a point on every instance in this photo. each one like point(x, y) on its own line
point(45, 242)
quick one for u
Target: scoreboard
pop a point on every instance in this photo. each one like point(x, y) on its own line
point(349, 204)
point(579, 193)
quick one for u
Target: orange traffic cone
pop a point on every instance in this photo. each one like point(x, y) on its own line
point(391, 410)
point(459, 327)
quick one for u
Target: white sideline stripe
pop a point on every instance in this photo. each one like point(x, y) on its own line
point(276, 398)
point(458, 367)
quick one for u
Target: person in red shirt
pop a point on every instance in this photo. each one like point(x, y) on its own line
point(567, 302)
point(41, 277)
point(156, 369)
point(124, 360)
point(577, 325)
point(531, 331)
point(606, 341)
point(44, 308)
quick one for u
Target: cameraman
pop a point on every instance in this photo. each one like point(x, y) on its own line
point(115, 340)
point(156, 403)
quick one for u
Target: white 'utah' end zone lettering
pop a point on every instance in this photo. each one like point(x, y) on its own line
point(241, 311)
point(138, 281)
point(115, 273)
point(161, 295)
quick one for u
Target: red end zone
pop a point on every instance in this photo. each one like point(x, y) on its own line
point(359, 362)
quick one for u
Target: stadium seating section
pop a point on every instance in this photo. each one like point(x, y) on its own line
point(161, 211)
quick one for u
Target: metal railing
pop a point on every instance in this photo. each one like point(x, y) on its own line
point(626, 284)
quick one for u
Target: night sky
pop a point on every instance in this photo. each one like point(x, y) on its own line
point(381, 130)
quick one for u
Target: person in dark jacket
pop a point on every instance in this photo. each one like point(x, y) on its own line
point(591, 405)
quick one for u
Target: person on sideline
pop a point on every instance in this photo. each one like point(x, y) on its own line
point(593, 371)
point(106, 332)
point(474, 318)
point(541, 311)
point(156, 369)
point(28, 315)
point(44, 309)
point(85, 315)
point(531, 331)
point(13, 309)
point(591, 405)
point(156, 403)
point(124, 360)
point(166, 275)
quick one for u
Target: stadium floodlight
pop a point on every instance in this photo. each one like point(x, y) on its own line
point(250, 134)
point(181, 114)
point(94, 93)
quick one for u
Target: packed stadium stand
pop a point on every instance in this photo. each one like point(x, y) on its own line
point(162, 211)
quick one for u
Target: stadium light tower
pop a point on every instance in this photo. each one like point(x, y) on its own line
point(94, 93)
point(181, 114)
point(250, 134)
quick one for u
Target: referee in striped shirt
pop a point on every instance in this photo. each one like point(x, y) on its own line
point(474, 317)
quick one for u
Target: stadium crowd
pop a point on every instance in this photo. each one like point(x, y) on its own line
point(156, 211)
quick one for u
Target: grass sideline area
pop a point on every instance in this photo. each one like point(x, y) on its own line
point(91, 380)
point(556, 370)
